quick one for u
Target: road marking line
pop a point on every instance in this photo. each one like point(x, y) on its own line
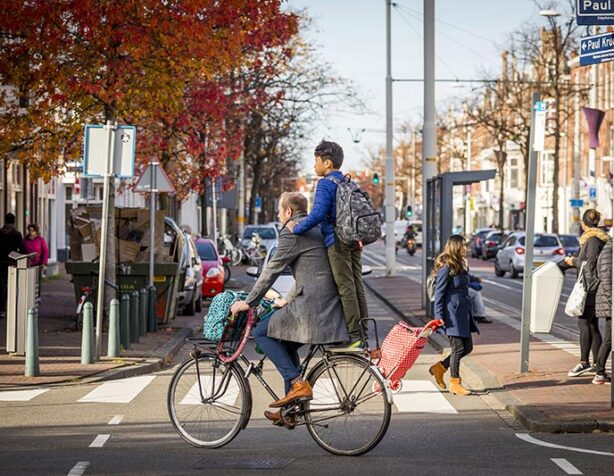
point(206, 382)
point(421, 396)
point(565, 465)
point(79, 468)
point(118, 391)
point(504, 286)
point(21, 395)
point(99, 441)
point(529, 439)
point(116, 420)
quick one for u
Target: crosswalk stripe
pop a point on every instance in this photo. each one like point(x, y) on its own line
point(421, 396)
point(193, 395)
point(118, 391)
point(21, 395)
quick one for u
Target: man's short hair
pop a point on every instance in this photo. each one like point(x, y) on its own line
point(9, 219)
point(331, 151)
point(295, 200)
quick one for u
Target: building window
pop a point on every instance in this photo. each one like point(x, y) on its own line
point(547, 168)
point(69, 194)
point(512, 180)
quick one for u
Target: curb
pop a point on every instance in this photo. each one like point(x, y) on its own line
point(531, 418)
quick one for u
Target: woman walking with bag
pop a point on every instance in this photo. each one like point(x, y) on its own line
point(592, 242)
point(603, 310)
point(453, 306)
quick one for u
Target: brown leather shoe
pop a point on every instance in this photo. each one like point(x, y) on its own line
point(299, 391)
point(278, 420)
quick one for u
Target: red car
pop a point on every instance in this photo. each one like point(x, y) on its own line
point(213, 271)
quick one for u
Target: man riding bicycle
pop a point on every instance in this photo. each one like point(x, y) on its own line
point(310, 314)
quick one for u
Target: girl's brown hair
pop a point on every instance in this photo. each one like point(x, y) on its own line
point(451, 256)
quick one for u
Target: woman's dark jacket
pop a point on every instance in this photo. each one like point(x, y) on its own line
point(603, 300)
point(452, 303)
point(592, 242)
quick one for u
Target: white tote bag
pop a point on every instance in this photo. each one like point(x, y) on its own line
point(577, 298)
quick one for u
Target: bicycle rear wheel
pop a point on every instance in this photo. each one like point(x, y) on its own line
point(348, 415)
point(211, 413)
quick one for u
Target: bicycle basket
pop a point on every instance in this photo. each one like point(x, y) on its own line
point(234, 337)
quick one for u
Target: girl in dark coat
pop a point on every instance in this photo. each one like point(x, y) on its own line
point(592, 242)
point(453, 306)
point(603, 310)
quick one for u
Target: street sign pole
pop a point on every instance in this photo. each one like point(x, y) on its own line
point(110, 127)
point(389, 179)
point(152, 219)
point(214, 210)
point(536, 141)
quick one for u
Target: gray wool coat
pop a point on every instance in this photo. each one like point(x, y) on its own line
point(313, 314)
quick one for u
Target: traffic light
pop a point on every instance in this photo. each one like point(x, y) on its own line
point(409, 211)
point(376, 179)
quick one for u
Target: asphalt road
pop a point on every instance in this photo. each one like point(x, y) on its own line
point(83, 429)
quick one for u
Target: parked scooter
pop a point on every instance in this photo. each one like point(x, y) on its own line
point(410, 244)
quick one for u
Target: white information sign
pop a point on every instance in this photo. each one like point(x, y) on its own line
point(540, 126)
point(95, 152)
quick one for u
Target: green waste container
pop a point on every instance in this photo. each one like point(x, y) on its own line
point(132, 277)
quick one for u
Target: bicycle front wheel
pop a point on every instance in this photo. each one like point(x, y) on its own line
point(209, 402)
point(349, 413)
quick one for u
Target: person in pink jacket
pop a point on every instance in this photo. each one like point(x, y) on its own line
point(35, 243)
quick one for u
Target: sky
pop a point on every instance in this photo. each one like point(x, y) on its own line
point(351, 35)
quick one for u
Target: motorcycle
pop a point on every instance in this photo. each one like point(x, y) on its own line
point(411, 246)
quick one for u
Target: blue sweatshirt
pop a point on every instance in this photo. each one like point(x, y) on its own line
point(324, 211)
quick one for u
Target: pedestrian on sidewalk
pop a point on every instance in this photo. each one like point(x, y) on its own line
point(10, 240)
point(603, 310)
point(592, 241)
point(36, 243)
point(453, 305)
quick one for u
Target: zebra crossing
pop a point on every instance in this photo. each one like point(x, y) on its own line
point(416, 396)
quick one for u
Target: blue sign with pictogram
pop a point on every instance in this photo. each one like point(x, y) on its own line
point(592, 192)
point(597, 49)
point(595, 12)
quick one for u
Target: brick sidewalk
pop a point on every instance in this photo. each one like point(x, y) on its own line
point(544, 399)
point(60, 344)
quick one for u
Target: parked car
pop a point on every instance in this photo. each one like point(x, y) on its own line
point(477, 241)
point(510, 258)
point(190, 296)
point(571, 243)
point(212, 268)
point(268, 235)
point(492, 244)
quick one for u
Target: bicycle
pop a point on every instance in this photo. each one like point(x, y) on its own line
point(209, 398)
point(88, 294)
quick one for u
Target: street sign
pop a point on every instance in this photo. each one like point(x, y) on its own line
point(258, 204)
point(540, 126)
point(161, 182)
point(595, 12)
point(592, 192)
point(95, 150)
point(597, 49)
point(576, 203)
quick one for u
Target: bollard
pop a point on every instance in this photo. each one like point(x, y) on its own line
point(124, 321)
point(134, 317)
point(152, 321)
point(87, 334)
point(143, 312)
point(113, 345)
point(32, 361)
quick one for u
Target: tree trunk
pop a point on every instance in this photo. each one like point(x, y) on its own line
point(501, 197)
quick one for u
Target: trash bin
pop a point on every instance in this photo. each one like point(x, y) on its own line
point(22, 290)
point(545, 296)
point(133, 277)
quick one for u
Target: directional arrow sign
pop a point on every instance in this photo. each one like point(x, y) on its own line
point(597, 49)
point(595, 12)
point(154, 179)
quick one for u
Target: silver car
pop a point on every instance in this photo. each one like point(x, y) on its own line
point(268, 235)
point(510, 258)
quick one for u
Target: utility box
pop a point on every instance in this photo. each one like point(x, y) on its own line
point(22, 291)
point(545, 296)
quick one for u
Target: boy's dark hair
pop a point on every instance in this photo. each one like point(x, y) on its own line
point(9, 219)
point(331, 151)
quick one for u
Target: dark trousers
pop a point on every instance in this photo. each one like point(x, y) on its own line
point(459, 348)
point(605, 348)
point(346, 265)
point(283, 354)
point(4, 281)
point(590, 337)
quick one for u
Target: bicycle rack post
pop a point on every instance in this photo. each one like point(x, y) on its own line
point(143, 312)
point(32, 360)
point(113, 346)
point(87, 334)
point(152, 321)
point(134, 317)
point(124, 321)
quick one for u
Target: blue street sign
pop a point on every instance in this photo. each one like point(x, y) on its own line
point(541, 106)
point(592, 192)
point(576, 203)
point(595, 12)
point(258, 204)
point(597, 49)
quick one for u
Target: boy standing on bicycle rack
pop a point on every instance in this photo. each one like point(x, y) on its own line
point(310, 314)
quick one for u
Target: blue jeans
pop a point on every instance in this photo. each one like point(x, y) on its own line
point(283, 354)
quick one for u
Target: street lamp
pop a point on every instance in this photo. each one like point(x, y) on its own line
point(549, 13)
